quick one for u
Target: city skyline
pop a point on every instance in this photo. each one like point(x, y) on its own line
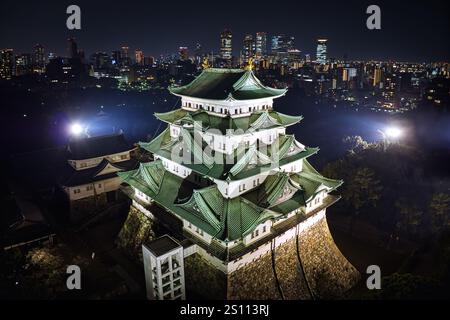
point(406, 35)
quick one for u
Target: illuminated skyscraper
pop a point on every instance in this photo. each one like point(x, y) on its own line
point(198, 53)
point(226, 49)
point(261, 45)
point(39, 60)
point(124, 52)
point(23, 64)
point(139, 56)
point(376, 76)
point(249, 48)
point(6, 63)
point(321, 55)
point(183, 53)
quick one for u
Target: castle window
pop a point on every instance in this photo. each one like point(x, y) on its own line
point(255, 233)
point(212, 109)
point(264, 229)
point(235, 111)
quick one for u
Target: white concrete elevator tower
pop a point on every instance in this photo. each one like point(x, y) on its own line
point(164, 269)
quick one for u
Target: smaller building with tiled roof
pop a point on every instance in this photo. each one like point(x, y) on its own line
point(93, 164)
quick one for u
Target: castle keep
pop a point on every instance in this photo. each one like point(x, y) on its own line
point(238, 193)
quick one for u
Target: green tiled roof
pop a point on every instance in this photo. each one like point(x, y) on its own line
point(279, 193)
point(227, 219)
point(221, 84)
point(240, 167)
point(230, 218)
point(224, 219)
point(310, 180)
point(253, 122)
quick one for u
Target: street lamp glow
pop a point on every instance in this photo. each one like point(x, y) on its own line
point(393, 132)
point(76, 129)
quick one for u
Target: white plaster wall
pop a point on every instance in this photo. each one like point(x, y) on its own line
point(89, 163)
point(100, 186)
point(243, 107)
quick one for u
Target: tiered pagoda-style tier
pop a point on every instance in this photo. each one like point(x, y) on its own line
point(226, 167)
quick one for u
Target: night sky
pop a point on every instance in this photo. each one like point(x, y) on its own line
point(411, 30)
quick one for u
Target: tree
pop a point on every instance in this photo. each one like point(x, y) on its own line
point(362, 190)
point(356, 143)
point(410, 217)
point(440, 211)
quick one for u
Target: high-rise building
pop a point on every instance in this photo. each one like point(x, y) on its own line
point(294, 58)
point(6, 63)
point(282, 44)
point(39, 59)
point(249, 48)
point(116, 57)
point(72, 48)
point(125, 60)
point(149, 61)
point(124, 52)
point(198, 53)
point(263, 213)
point(183, 53)
point(139, 56)
point(100, 60)
point(226, 49)
point(321, 55)
point(261, 45)
point(23, 64)
point(376, 76)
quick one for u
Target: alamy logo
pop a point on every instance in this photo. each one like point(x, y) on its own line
point(374, 280)
point(73, 22)
point(374, 20)
point(74, 280)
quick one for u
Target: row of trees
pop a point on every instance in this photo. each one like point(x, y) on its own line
point(389, 188)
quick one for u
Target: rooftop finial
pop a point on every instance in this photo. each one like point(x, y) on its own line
point(249, 66)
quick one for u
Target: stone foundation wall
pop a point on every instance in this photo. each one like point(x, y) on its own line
point(289, 272)
point(203, 280)
point(327, 270)
point(83, 208)
point(255, 280)
point(137, 229)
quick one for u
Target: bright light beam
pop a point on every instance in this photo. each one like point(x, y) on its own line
point(76, 129)
point(393, 132)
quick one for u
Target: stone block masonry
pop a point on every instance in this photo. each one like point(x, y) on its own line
point(327, 272)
